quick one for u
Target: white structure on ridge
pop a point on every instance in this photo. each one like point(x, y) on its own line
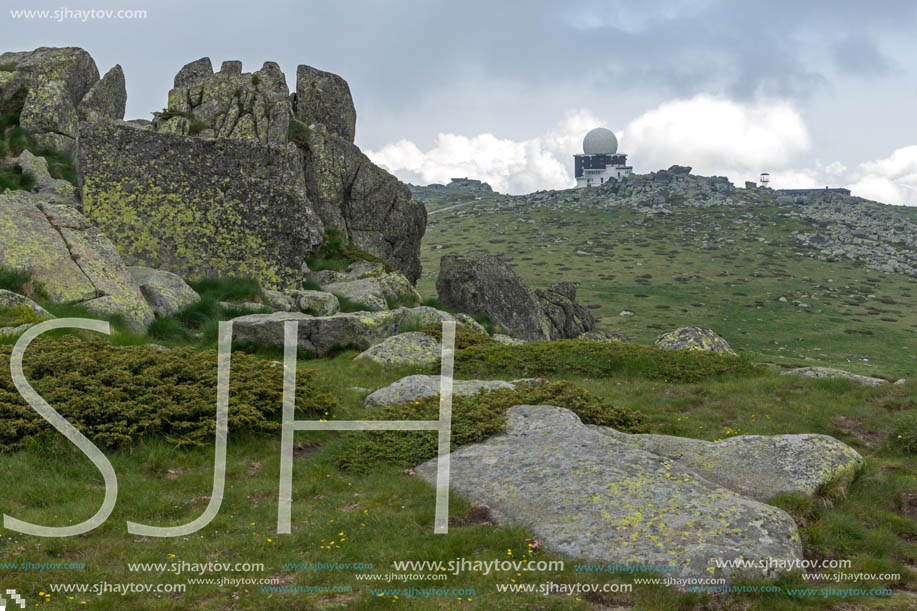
point(600, 161)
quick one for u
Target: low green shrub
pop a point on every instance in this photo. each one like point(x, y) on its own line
point(116, 395)
point(465, 337)
point(474, 419)
point(597, 359)
point(14, 180)
point(298, 133)
point(311, 285)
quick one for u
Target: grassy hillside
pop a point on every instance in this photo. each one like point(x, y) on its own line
point(737, 269)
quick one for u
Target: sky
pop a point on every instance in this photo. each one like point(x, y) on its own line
point(816, 93)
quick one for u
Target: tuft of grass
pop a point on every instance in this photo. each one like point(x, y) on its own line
point(904, 435)
point(337, 253)
point(349, 305)
point(227, 289)
point(598, 359)
point(474, 419)
point(298, 133)
point(407, 300)
point(22, 282)
point(8, 67)
point(311, 285)
point(13, 178)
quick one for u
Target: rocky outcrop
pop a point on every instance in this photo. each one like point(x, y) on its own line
point(488, 285)
point(350, 194)
point(405, 349)
point(694, 338)
point(603, 500)
point(229, 103)
point(370, 206)
point(69, 257)
point(165, 292)
point(412, 388)
point(316, 303)
point(323, 97)
point(199, 207)
point(61, 85)
point(36, 168)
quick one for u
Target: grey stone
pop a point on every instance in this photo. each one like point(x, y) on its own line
point(106, 99)
point(509, 341)
point(194, 73)
point(9, 299)
point(602, 500)
point(412, 348)
point(694, 338)
point(464, 319)
point(365, 292)
point(166, 292)
point(828, 372)
point(421, 316)
point(566, 317)
point(323, 97)
point(412, 388)
point(319, 334)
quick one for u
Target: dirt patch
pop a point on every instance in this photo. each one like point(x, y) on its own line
point(478, 514)
point(303, 450)
point(856, 429)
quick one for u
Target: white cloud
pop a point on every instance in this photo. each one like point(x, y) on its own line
point(718, 136)
point(509, 166)
point(715, 135)
point(892, 180)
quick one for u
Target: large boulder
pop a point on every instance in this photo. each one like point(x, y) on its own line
point(354, 196)
point(319, 334)
point(694, 338)
point(69, 257)
point(166, 292)
point(412, 388)
point(412, 348)
point(323, 97)
point(488, 285)
point(56, 81)
point(602, 500)
point(199, 207)
point(568, 319)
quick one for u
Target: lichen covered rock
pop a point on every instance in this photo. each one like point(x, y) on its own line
point(412, 348)
point(106, 99)
point(694, 338)
point(323, 97)
point(602, 500)
point(829, 372)
point(166, 292)
point(412, 388)
point(68, 256)
point(199, 207)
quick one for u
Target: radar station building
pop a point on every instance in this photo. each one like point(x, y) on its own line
point(600, 161)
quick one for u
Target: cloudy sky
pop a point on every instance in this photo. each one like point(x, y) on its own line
point(817, 93)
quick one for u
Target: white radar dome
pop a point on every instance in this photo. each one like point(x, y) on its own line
point(600, 141)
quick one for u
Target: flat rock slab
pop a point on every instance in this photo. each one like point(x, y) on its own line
point(589, 496)
point(413, 348)
point(756, 466)
point(417, 387)
point(828, 372)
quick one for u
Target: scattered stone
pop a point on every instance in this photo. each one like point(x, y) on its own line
point(417, 387)
point(166, 292)
point(413, 348)
point(828, 372)
point(625, 313)
point(628, 507)
point(694, 338)
point(509, 341)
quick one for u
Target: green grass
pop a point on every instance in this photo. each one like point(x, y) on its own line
point(387, 515)
point(724, 268)
point(337, 253)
